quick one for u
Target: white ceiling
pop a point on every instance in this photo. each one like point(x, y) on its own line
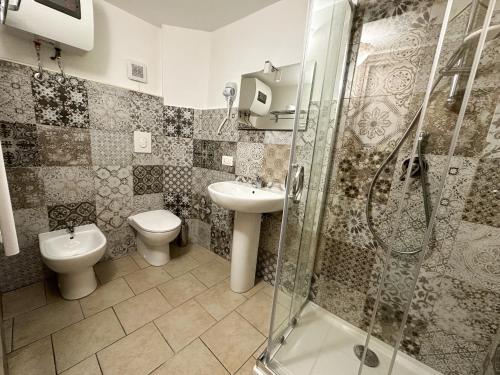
point(205, 15)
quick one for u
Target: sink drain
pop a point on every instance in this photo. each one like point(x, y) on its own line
point(371, 359)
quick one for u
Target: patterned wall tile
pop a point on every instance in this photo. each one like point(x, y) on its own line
point(148, 179)
point(113, 181)
point(22, 269)
point(20, 144)
point(348, 264)
point(178, 121)
point(113, 213)
point(270, 232)
point(16, 100)
point(110, 148)
point(178, 151)
point(249, 159)
point(252, 136)
point(210, 120)
point(199, 232)
point(475, 257)
point(147, 202)
point(201, 207)
point(177, 179)
point(275, 166)
point(120, 242)
point(109, 107)
point(64, 147)
point(204, 154)
point(221, 235)
point(77, 213)
point(278, 137)
point(203, 177)
point(29, 223)
point(60, 105)
point(483, 203)
point(68, 185)
point(224, 149)
point(492, 148)
point(156, 156)
point(146, 112)
point(266, 266)
point(26, 188)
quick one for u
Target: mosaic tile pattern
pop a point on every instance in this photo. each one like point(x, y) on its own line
point(110, 148)
point(221, 235)
point(16, 100)
point(20, 144)
point(61, 105)
point(148, 179)
point(68, 185)
point(64, 147)
point(113, 181)
point(249, 158)
point(113, 213)
point(77, 213)
point(178, 151)
point(26, 188)
point(266, 266)
point(208, 123)
point(201, 207)
point(146, 112)
point(120, 242)
point(178, 122)
point(275, 165)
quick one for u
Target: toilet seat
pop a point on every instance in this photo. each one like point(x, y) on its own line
point(158, 221)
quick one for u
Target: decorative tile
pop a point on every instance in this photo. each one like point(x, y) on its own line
point(221, 231)
point(60, 105)
point(20, 145)
point(201, 207)
point(113, 181)
point(347, 264)
point(270, 231)
point(157, 155)
point(199, 232)
point(249, 159)
point(475, 257)
point(209, 121)
point(109, 148)
point(178, 121)
point(68, 184)
point(77, 213)
point(26, 188)
point(120, 242)
point(266, 266)
point(29, 223)
point(203, 177)
point(275, 166)
point(251, 136)
point(174, 200)
point(178, 151)
point(23, 269)
point(483, 203)
point(147, 202)
point(148, 179)
point(64, 147)
point(467, 311)
point(492, 149)
point(146, 112)
point(113, 213)
point(278, 137)
point(109, 107)
point(224, 149)
point(204, 154)
point(177, 179)
point(16, 100)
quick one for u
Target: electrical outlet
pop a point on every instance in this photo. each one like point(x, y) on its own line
point(227, 160)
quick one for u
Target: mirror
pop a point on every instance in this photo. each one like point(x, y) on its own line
point(268, 97)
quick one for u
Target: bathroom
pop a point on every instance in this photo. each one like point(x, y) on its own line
point(165, 137)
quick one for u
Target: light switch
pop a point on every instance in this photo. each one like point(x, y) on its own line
point(142, 142)
point(227, 160)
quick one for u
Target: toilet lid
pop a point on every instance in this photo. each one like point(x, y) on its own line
point(158, 221)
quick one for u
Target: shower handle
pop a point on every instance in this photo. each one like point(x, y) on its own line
point(297, 184)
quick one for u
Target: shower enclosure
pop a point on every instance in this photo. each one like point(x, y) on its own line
point(389, 259)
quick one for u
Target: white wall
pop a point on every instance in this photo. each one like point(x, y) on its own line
point(118, 36)
point(274, 33)
point(186, 66)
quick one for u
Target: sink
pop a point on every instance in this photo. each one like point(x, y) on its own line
point(73, 256)
point(243, 197)
point(249, 203)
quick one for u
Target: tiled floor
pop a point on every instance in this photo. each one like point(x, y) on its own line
point(180, 319)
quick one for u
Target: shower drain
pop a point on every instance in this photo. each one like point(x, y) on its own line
point(371, 359)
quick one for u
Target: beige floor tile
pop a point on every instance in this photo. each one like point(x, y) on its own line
point(141, 309)
point(182, 289)
point(220, 300)
point(212, 273)
point(146, 279)
point(195, 359)
point(233, 340)
point(23, 299)
point(34, 359)
point(247, 368)
point(180, 265)
point(257, 288)
point(184, 324)
point(81, 340)
point(113, 269)
point(201, 254)
point(106, 296)
point(257, 310)
point(34, 325)
point(7, 334)
point(261, 349)
point(139, 260)
point(52, 293)
point(137, 354)
point(89, 366)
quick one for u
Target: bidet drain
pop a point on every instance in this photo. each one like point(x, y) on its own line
point(371, 359)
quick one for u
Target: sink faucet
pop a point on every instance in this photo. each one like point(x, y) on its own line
point(71, 230)
point(258, 182)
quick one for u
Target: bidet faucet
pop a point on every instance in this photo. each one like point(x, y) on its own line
point(71, 230)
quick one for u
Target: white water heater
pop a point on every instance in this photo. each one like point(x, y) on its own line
point(255, 97)
point(68, 22)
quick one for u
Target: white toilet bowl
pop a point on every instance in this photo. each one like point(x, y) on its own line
point(155, 230)
point(73, 258)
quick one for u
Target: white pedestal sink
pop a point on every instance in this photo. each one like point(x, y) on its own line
point(249, 203)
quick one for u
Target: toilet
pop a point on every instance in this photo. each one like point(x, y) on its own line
point(154, 232)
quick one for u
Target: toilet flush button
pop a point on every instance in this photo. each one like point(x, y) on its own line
point(142, 142)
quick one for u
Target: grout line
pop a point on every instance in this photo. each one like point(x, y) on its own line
point(119, 321)
point(164, 338)
point(246, 320)
point(214, 355)
point(53, 354)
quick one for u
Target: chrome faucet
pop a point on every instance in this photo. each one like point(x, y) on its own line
point(71, 230)
point(258, 182)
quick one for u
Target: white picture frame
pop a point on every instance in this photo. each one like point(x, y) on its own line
point(137, 71)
